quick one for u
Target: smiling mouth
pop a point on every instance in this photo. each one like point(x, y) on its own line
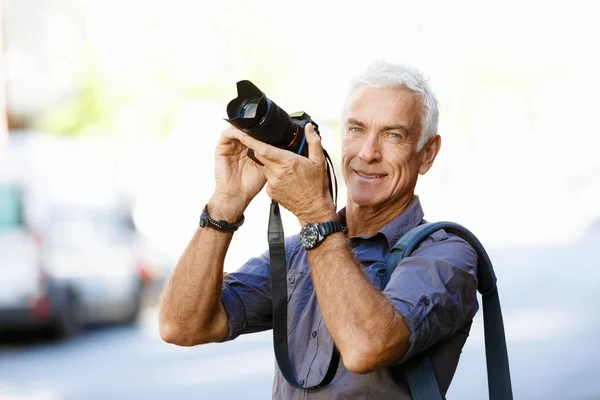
point(369, 176)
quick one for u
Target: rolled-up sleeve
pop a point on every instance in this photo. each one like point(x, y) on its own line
point(246, 297)
point(435, 290)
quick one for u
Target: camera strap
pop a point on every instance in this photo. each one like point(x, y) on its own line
point(279, 292)
point(280, 299)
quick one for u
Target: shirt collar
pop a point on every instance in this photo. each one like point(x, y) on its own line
point(396, 228)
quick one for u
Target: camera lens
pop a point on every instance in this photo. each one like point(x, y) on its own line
point(248, 109)
point(254, 113)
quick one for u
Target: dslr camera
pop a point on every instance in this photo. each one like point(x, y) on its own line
point(255, 114)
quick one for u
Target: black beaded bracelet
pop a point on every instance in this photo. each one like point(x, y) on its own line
point(222, 225)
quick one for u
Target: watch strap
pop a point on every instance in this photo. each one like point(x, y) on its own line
point(329, 227)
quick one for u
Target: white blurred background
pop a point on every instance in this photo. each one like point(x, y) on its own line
point(122, 103)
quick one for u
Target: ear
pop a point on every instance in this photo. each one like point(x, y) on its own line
point(429, 152)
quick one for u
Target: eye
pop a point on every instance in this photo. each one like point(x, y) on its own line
point(395, 136)
point(354, 129)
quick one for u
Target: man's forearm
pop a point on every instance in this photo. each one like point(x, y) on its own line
point(190, 309)
point(364, 325)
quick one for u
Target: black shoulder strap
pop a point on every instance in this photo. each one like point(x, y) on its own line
point(421, 377)
point(279, 293)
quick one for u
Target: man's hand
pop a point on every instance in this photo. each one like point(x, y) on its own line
point(238, 178)
point(297, 183)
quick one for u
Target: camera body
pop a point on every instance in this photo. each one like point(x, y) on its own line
point(255, 114)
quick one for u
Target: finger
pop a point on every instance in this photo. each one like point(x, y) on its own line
point(315, 150)
point(231, 134)
point(264, 152)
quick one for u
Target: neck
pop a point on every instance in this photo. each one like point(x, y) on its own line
point(366, 221)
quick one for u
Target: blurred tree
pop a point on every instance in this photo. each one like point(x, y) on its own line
point(93, 108)
point(145, 105)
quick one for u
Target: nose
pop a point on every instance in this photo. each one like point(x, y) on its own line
point(370, 151)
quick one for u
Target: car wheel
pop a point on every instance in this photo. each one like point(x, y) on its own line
point(69, 317)
point(136, 304)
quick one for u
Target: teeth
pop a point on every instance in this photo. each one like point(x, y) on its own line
point(369, 176)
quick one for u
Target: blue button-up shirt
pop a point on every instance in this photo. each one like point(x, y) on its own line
point(434, 289)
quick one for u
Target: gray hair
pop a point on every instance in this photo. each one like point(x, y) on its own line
point(383, 74)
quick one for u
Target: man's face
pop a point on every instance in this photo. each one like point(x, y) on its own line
point(379, 151)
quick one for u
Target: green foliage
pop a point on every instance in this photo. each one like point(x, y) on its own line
point(92, 109)
point(147, 102)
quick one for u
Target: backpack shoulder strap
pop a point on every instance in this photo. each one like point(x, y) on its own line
point(499, 383)
point(405, 245)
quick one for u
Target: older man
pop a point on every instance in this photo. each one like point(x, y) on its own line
point(337, 289)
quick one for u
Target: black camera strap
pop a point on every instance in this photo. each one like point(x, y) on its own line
point(280, 294)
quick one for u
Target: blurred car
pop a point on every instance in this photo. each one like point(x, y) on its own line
point(94, 253)
point(25, 290)
point(81, 268)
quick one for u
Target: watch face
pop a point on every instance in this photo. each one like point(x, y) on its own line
point(309, 236)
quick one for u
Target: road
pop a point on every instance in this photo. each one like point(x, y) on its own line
point(550, 297)
point(133, 363)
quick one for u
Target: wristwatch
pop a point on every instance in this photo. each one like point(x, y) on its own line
point(312, 235)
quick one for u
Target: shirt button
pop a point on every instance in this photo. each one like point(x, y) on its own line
point(301, 382)
point(292, 279)
point(426, 302)
point(314, 334)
